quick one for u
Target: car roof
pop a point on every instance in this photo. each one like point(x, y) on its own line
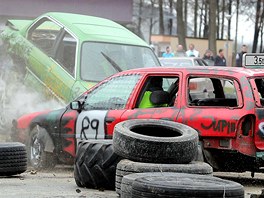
point(210, 70)
point(182, 57)
point(90, 28)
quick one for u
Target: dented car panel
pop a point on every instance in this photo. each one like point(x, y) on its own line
point(63, 55)
point(226, 111)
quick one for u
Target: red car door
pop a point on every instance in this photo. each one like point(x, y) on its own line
point(167, 112)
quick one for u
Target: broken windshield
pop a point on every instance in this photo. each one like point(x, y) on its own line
point(100, 60)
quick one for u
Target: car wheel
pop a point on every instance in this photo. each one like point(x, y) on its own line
point(95, 164)
point(38, 158)
point(178, 185)
point(13, 158)
point(155, 141)
point(126, 167)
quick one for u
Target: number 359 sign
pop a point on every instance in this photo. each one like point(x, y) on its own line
point(253, 60)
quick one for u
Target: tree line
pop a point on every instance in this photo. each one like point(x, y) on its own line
point(209, 19)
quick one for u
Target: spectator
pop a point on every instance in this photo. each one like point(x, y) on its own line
point(239, 56)
point(168, 53)
point(180, 51)
point(192, 52)
point(208, 57)
point(220, 59)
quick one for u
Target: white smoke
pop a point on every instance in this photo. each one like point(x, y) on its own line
point(16, 99)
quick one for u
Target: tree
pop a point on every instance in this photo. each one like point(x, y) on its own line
point(161, 21)
point(195, 17)
point(212, 25)
point(180, 24)
point(258, 24)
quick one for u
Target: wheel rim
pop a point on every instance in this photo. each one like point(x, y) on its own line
point(35, 151)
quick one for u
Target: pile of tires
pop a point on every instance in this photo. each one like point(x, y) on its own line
point(13, 158)
point(159, 162)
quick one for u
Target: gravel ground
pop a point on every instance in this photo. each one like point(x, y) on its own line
point(60, 183)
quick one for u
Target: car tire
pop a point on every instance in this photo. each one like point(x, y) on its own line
point(95, 164)
point(155, 141)
point(126, 167)
point(178, 185)
point(38, 158)
point(13, 158)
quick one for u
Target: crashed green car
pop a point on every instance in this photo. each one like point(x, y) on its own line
point(66, 54)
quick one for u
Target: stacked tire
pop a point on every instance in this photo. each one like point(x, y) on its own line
point(13, 158)
point(159, 162)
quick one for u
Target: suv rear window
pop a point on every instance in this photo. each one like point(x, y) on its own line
point(260, 87)
point(204, 91)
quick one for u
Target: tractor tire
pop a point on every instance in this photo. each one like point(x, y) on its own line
point(13, 158)
point(126, 167)
point(95, 164)
point(155, 141)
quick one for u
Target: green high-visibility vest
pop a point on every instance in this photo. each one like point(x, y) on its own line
point(146, 103)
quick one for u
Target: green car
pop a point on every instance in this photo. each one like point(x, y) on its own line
point(66, 54)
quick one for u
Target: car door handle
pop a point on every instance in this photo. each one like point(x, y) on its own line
point(109, 120)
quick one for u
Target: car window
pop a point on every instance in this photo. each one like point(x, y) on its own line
point(100, 60)
point(166, 90)
point(66, 53)
point(260, 87)
point(44, 36)
point(113, 94)
point(211, 92)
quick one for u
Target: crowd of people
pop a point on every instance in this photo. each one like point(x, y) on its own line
point(218, 60)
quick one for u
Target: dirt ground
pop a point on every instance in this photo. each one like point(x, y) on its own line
point(60, 183)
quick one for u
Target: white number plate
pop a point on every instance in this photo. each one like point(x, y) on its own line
point(253, 60)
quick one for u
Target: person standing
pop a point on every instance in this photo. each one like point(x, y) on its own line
point(208, 57)
point(239, 56)
point(180, 51)
point(168, 53)
point(192, 52)
point(220, 59)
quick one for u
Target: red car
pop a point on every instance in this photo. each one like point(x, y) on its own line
point(224, 104)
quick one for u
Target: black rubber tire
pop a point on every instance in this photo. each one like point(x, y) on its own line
point(168, 184)
point(126, 167)
point(95, 164)
point(13, 158)
point(155, 141)
point(37, 157)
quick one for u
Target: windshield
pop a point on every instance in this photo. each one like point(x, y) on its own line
point(100, 60)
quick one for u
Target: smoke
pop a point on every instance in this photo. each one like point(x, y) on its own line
point(17, 99)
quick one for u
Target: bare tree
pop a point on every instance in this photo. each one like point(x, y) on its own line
point(161, 21)
point(140, 16)
point(180, 24)
point(185, 15)
point(218, 20)
point(258, 24)
point(205, 32)
point(223, 21)
point(212, 26)
point(152, 21)
point(235, 45)
point(229, 21)
point(201, 18)
point(195, 17)
point(170, 19)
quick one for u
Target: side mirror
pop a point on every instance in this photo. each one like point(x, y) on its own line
point(75, 105)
